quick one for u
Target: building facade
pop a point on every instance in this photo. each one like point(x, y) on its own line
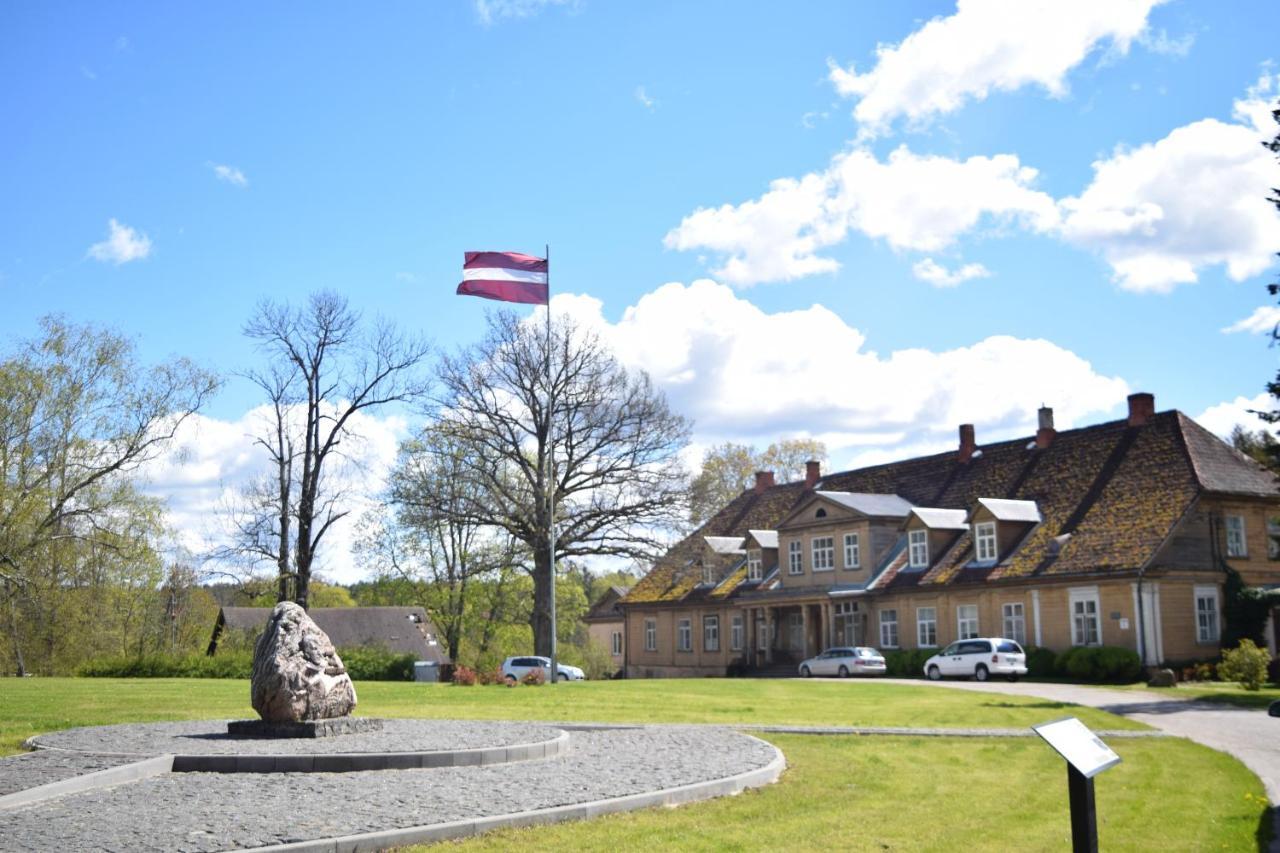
point(1119, 534)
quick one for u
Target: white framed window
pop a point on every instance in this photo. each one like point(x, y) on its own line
point(755, 566)
point(616, 643)
point(846, 613)
point(1235, 536)
point(762, 634)
point(711, 633)
point(889, 629)
point(984, 535)
point(684, 636)
point(824, 553)
point(1086, 626)
point(852, 551)
point(709, 574)
point(926, 627)
point(918, 548)
point(1015, 622)
point(651, 635)
point(795, 558)
point(1206, 614)
point(966, 621)
point(737, 629)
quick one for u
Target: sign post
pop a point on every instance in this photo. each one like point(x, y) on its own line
point(1086, 756)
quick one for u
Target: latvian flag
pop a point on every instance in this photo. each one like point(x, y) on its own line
point(505, 276)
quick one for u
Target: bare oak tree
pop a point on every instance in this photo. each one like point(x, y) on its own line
point(607, 434)
point(325, 361)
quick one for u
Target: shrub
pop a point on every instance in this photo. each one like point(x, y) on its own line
point(375, 663)
point(534, 677)
point(1246, 664)
point(906, 663)
point(464, 676)
point(1099, 663)
point(230, 665)
point(1041, 662)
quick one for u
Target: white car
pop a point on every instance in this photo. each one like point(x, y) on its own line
point(845, 661)
point(979, 658)
point(514, 669)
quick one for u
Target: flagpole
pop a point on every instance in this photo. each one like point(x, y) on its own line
point(551, 486)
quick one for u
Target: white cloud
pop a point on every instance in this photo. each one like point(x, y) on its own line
point(986, 46)
point(1225, 417)
point(647, 102)
point(939, 276)
point(1161, 213)
point(122, 245)
point(1263, 319)
point(747, 375)
point(229, 174)
point(212, 459)
point(490, 11)
point(1162, 43)
point(911, 201)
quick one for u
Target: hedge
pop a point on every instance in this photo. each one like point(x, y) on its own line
point(363, 664)
point(1083, 663)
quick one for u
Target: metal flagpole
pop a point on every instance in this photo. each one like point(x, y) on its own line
point(551, 486)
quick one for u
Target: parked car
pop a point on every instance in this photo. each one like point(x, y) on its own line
point(514, 669)
point(845, 661)
point(979, 658)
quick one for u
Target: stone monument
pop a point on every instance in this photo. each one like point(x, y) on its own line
point(300, 687)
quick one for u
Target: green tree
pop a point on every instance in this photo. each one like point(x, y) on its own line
point(1261, 446)
point(79, 415)
point(728, 469)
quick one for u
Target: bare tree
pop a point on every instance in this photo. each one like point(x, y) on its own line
point(78, 416)
point(607, 434)
point(333, 366)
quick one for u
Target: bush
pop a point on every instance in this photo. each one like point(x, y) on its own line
point(1100, 664)
point(464, 676)
point(1041, 662)
point(230, 665)
point(906, 663)
point(1246, 664)
point(534, 677)
point(375, 663)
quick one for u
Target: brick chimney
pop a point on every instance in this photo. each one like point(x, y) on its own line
point(812, 472)
point(764, 480)
point(1044, 435)
point(967, 442)
point(1142, 407)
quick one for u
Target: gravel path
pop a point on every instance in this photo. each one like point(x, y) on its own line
point(211, 811)
point(19, 772)
point(209, 737)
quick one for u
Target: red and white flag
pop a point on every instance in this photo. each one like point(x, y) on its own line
point(505, 276)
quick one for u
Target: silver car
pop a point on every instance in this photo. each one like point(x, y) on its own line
point(844, 661)
point(516, 668)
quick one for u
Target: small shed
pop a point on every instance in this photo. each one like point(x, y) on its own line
point(403, 630)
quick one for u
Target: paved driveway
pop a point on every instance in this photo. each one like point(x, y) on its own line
point(1248, 734)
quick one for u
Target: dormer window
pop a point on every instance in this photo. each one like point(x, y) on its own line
point(918, 549)
point(708, 574)
point(984, 535)
point(755, 566)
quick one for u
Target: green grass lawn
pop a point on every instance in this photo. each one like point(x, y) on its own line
point(914, 793)
point(843, 792)
point(33, 705)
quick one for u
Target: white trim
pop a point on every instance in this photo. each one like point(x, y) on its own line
point(651, 635)
point(710, 624)
point(829, 550)
point(912, 544)
point(737, 632)
point(1020, 637)
point(977, 624)
point(684, 635)
point(984, 533)
point(886, 623)
point(755, 565)
point(615, 644)
point(1203, 591)
point(857, 551)
point(1084, 595)
point(795, 557)
point(1243, 545)
point(920, 623)
point(1035, 611)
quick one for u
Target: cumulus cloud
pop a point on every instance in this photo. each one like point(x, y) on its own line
point(1263, 319)
point(911, 201)
point(123, 244)
point(1159, 214)
point(229, 174)
point(212, 459)
point(939, 276)
point(1225, 417)
point(747, 375)
point(986, 46)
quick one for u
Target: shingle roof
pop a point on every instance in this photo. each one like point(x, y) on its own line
point(404, 630)
point(879, 506)
point(1003, 509)
point(1108, 495)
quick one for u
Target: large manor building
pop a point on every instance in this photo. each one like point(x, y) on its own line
point(1115, 534)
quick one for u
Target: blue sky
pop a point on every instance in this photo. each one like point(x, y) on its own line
point(1091, 175)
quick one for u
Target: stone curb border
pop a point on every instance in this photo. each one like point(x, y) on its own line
point(862, 730)
point(155, 766)
point(427, 833)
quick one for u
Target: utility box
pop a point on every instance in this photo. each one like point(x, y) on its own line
point(425, 670)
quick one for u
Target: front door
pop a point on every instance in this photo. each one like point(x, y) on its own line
point(795, 633)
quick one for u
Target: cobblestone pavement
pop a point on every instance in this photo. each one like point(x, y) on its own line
point(211, 811)
point(209, 737)
point(19, 772)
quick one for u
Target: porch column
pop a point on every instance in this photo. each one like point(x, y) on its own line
point(804, 628)
point(827, 610)
point(753, 643)
point(769, 633)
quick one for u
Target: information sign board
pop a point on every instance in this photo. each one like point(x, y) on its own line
point(1082, 749)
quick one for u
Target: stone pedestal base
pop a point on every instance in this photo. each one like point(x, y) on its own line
point(332, 727)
